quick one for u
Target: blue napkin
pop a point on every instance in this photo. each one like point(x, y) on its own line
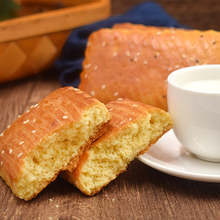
point(69, 64)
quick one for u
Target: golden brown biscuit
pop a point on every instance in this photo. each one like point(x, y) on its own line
point(49, 138)
point(133, 61)
point(134, 127)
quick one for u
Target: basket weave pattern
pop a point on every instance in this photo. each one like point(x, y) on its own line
point(29, 56)
point(31, 43)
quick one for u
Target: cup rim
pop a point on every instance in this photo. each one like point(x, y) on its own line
point(199, 67)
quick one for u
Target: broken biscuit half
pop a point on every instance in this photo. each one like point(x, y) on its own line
point(133, 129)
point(49, 138)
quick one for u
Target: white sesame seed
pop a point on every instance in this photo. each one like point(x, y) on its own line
point(177, 66)
point(130, 119)
point(138, 53)
point(173, 31)
point(115, 54)
point(95, 68)
point(135, 59)
point(34, 131)
point(86, 75)
point(86, 95)
point(87, 65)
point(19, 116)
point(1, 163)
point(8, 126)
point(103, 86)
point(1, 134)
point(104, 44)
point(65, 117)
point(57, 206)
point(25, 122)
point(10, 151)
point(3, 152)
point(28, 111)
point(110, 109)
point(116, 94)
point(145, 62)
point(21, 143)
point(50, 200)
point(121, 122)
point(159, 32)
point(119, 98)
point(19, 155)
point(92, 93)
point(184, 56)
point(35, 105)
point(34, 120)
point(134, 105)
point(127, 53)
point(78, 90)
point(50, 217)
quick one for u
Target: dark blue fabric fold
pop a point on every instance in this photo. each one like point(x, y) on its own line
point(69, 64)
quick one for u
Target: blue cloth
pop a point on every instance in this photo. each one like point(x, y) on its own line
point(69, 64)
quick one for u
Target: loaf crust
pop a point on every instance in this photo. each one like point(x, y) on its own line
point(133, 129)
point(133, 61)
point(50, 137)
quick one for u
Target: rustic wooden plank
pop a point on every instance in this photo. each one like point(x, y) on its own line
point(13, 100)
point(42, 88)
point(139, 193)
point(17, 97)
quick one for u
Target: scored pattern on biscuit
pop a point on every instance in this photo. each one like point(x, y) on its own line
point(28, 123)
point(130, 112)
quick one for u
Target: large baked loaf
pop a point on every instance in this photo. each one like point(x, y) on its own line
point(133, 61)
point(134, 127)
point(49, 138)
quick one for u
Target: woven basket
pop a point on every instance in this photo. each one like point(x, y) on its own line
point(31, 43)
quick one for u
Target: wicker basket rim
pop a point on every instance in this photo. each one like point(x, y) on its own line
point(43, 23)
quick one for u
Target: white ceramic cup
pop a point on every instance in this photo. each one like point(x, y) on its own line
point(194, 105)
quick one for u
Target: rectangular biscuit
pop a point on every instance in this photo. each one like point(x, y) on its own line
point(134, 61)
point(50, 137)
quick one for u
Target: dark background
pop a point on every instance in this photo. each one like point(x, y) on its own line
point(199, 14)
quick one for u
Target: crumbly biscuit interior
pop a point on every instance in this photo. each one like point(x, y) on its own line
point(55, 152)
point(108, 159)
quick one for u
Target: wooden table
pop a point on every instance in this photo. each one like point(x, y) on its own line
point(139, 193)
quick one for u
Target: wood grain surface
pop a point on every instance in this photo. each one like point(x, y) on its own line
point(139, 193)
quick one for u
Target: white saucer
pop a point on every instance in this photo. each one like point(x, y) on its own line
point(170, 157)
